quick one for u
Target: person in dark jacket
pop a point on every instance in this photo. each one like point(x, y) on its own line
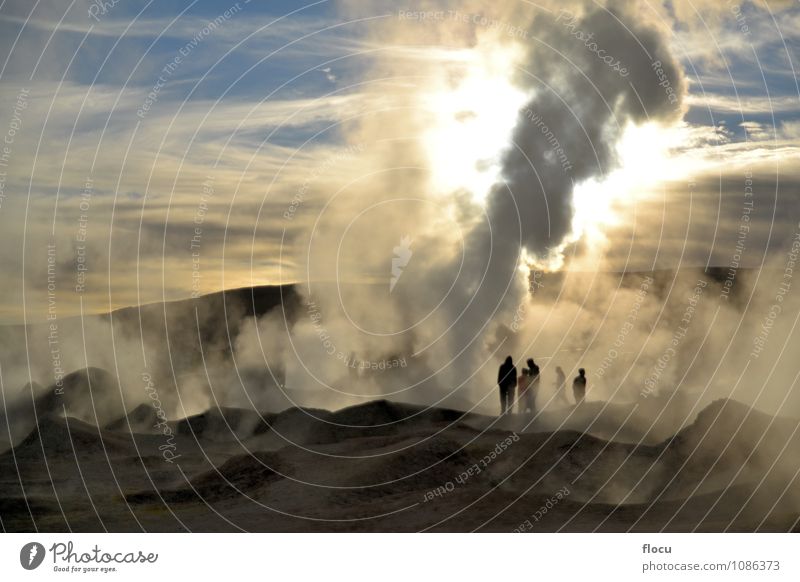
point(579, 386)
point(507, 381)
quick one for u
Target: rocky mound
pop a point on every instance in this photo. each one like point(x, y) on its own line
point(142, 419)
point(92, 395)
point(239, 476)
point(730, 442)
point(385, 459)
point(221, 424)
point(57, 437)
point(371, 419)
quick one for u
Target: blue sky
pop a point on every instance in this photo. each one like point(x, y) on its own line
point(278, 76)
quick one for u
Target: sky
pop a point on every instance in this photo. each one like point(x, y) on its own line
point(156, 150)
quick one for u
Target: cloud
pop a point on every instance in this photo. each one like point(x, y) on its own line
point(745, 104)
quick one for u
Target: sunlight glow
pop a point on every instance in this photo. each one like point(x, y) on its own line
point(648, 160)
point(471, 120)
point(472, 109)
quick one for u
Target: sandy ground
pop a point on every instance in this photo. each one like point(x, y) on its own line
point(384, 466)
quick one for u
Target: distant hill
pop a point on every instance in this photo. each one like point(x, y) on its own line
point(173, 338)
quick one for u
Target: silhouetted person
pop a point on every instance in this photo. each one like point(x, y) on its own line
point(532, 388)
point(561, 385)
point(507, 381)
point(579, 386)
point(523, 385)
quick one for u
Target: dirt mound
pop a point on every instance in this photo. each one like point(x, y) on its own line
point(57, 436)
point(92, 395)
point(374, 413)
point(142, 419)
point(387, 459)
point(221, 424)
point(380, 418)
point(299, 425)
point(730, 442)
point(239, 476)
point(649, 421)
point(32, 389)
point(383, 412)
point(729, 430)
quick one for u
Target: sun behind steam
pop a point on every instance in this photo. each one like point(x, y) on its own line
point(472, 107)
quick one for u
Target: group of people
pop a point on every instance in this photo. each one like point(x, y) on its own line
point(522, 389)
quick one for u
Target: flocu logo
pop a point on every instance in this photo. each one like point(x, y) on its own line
point(31, 555)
